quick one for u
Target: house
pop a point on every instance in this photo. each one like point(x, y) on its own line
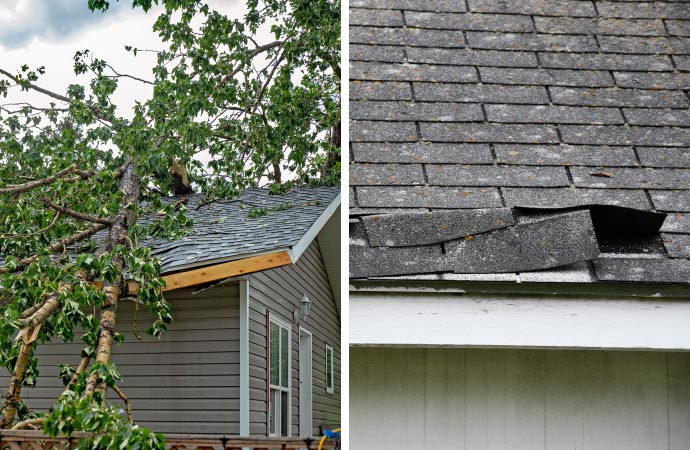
point(519, 224)
point(241, 357)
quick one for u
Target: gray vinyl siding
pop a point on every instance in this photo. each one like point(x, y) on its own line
point(188, 382)
point(280, 292)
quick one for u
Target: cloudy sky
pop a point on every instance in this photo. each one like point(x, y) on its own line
point(49, 32)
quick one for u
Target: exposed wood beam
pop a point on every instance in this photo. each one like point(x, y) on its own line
point(220, 271)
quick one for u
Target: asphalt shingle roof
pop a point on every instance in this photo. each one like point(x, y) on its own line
point(498, 104)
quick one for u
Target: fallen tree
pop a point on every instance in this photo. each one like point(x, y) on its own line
point(81, 186)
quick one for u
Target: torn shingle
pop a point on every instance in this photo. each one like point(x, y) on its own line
point(550, 240)
point(400, 230)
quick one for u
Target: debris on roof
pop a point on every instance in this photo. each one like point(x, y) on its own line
point(571, 106)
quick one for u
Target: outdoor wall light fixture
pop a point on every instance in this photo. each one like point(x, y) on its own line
point(300, 314)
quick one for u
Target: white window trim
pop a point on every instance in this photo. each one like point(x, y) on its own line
point(331, 389)
point(281, 323)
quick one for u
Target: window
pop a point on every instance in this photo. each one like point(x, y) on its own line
point(279, 411)
point(329, 369)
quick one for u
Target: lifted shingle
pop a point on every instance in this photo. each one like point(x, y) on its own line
point(401, 230)
point(550, 241)
point(570, 197)
point(411, 72)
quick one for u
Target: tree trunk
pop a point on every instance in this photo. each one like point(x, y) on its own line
point(119, 235)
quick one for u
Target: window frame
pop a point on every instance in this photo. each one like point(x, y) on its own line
point(282, 325)
point(330, 389)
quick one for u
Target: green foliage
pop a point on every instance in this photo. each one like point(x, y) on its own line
point(107, 425)
point(262, 112)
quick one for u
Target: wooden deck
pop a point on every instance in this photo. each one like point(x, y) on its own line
point(35, 440)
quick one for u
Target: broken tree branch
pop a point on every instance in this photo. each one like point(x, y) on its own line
point(128, 406)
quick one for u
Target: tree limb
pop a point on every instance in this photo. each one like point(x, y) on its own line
point(252, 54)
point(128, 406)
point(19, 188)
point(59, 246)
point(29, 423)
point(77, 214)
point(54, 95)
point(34, 233)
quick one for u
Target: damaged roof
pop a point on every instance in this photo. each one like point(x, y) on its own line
point(256, 222)
point(521, 140)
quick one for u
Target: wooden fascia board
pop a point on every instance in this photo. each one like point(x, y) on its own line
point(220, 271)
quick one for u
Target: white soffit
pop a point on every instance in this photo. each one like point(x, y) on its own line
point(296, 251)
point(392, 319)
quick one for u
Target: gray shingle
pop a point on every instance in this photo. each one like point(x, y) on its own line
point(643, 10)
point(480, 93)
point(567, 25)
point(471, 132)
point(678, 27)
point(547, 77)
point(618, 135)
point(676, 223)
point(682, 62)
point(560, 155)
point(677, 245)
point(652, 80)
point(629, 44)
point(649, 270)
point(376, 90)
point(560, 8)
point(412, 72)
point(530, 41)
point(410, 229)
point(382, 261)
point(552, 240)
point(366, 131)
point(570, 197)
point(379, 18)
point(664, 157)
point(618, 97)
point(552, 114)
point(476, 22)
point(416, 111)
point(419, 5)
point(428, 197)
point(605, 61)
point(406, 36)
point(659, 117)
point(381, 53)
point(386, 174)
point(422, 152)
point(644, 178)
point(680, 45)
point(677, 200)
point(466, 57)
point(466, 175)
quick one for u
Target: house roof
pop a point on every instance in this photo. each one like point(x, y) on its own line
point(253, 224)
point(520, 140)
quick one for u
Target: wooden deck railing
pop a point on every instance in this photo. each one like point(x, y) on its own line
point(36, 440)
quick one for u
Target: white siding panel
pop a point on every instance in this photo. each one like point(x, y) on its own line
point(490, 399)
